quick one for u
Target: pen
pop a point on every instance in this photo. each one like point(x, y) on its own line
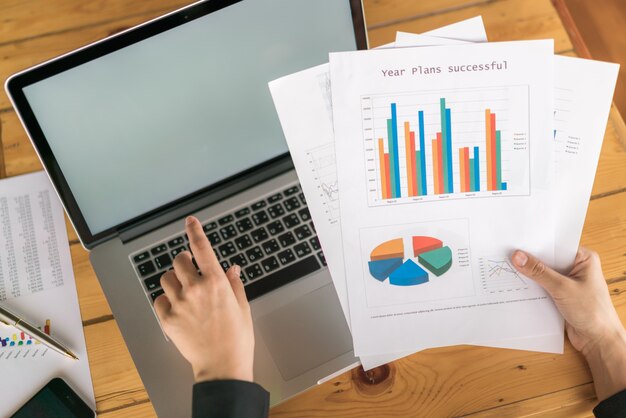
point(14, 320)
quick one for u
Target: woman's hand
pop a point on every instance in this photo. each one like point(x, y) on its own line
point(207, 315)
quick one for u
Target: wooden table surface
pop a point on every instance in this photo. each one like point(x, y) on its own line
point(453, 381)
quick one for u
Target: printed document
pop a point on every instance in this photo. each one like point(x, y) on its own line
point(442, 174)
point(37, 283)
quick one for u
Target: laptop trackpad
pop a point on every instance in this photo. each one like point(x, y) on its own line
point(306, 333)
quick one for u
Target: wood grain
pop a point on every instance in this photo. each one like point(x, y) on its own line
point(505, 20)
point(115, 379)
point(25, 19)
point(385, 12)
point(93, 305)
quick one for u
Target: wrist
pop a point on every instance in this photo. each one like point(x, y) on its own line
point(203, 375)
point(607, 361)
point(611, 341)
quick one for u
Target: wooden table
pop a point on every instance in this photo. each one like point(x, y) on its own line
point(454, 381)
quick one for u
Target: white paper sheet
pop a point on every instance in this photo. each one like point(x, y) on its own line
point(37, 283)
point(364, 85)
point(582, 100)
point(304, 107)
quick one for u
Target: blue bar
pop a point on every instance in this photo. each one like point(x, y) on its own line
point(444, 157)
point(392, 172)
point(449, 145)
point(423, 191)
point(476, 170)
point(396, 163)
point(503, 185)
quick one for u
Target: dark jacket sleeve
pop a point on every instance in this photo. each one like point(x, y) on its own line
point(613, 407)
point(230, 398)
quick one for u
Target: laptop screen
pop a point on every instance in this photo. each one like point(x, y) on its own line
point(172, 114)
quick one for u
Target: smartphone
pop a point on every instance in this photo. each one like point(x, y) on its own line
point(55, 400)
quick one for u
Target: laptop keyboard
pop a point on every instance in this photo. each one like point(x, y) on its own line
point(273, 241)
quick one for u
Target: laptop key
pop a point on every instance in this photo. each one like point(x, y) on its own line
point(175, 242)
point(153, 282)
point(225, 219)
point(304, 214)
point(286, 257)
point(291, 190)
point(275, 227)
point(243, 242)
point(158, 249)
point(259, 235)
point(302, 249)
point(286, 239)
point(302, 198)
point(276, 211)
point(259, 205)
point(281, 277)
point(315, 243)
point(163, 261)
point(156, 294)
point(228, 232)
point(244, 225)
point(242, 212)
point(177, 251)
point(214, 238)
point(291, 220)
point(227, 249)
point(322, 258)
point(225, 265)
point(141, 257)
point(240, 260)
point(254, 272)
point(275, 198)
point(260, 217)
point(270, 264)
point(146, 268)
point(254, 254)
point(271, 246)
point(209, 227)
point(303, 232)
point(291, 204)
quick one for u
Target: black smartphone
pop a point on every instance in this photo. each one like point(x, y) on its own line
point(55, 400)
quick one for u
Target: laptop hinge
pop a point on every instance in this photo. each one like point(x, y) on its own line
point(208, 198)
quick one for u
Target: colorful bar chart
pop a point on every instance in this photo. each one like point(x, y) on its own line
point(19, 338)
point(447, 144)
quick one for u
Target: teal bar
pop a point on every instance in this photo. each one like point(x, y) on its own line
point(471, 174)
point(392, 160)
point(498, 162)
point(444, 145)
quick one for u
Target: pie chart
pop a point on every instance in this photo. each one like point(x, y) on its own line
point(388, 261)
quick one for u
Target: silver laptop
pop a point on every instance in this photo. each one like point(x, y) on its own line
point(172, 118)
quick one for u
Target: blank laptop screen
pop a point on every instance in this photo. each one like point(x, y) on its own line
point(165, 117)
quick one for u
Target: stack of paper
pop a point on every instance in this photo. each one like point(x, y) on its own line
point(426, 162)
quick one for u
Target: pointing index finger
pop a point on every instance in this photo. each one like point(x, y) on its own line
point(201, 247)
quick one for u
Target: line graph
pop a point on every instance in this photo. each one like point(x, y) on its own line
point(499, 276)
point(322, 163)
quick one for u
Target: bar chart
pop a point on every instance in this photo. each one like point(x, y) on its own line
point(431, 145)
point(18, 344)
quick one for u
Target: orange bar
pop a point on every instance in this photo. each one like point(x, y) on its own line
point(440, 164)
point(492, 135)
point(489, 150)
point(435, 166)
point(413, 165)
point(467, 170)
point(383, 172)
point(387, 178)
point(462, 169)
point(407, 145)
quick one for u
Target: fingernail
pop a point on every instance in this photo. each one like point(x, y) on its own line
point(190, 220)
point(236, 269)
point(520, 259)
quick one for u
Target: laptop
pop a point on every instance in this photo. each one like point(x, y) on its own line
point(174, 117)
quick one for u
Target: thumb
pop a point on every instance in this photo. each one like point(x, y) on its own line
point(530, 266)
point(234, 279)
